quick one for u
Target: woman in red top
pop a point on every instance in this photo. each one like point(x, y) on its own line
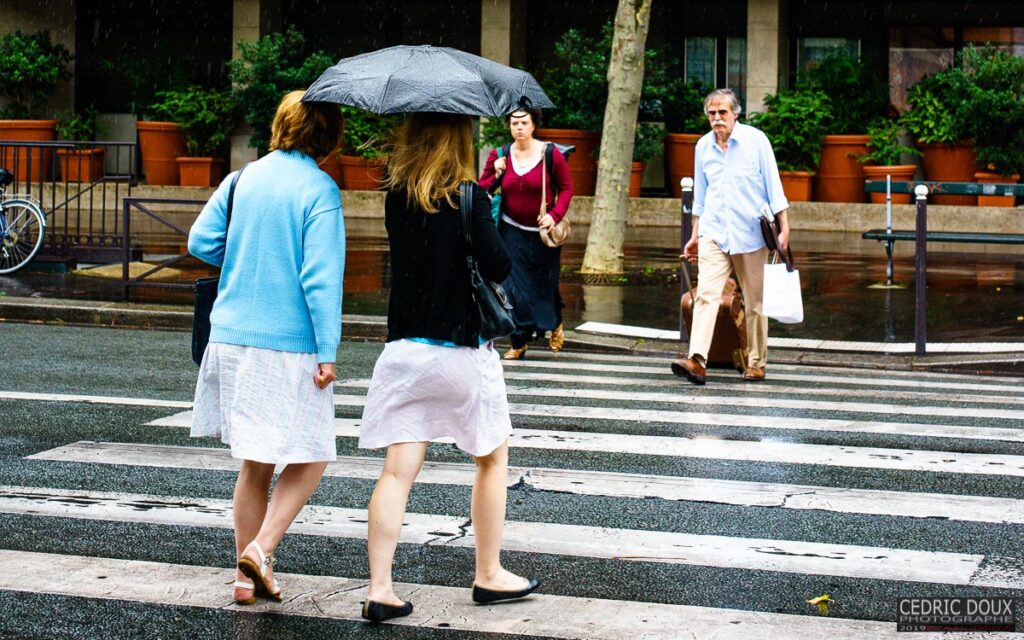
point(533, 284)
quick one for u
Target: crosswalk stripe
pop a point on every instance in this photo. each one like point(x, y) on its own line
point(706, 447)
point(447, 608)
point(1007, 434)
point(870, 378)
point(593, 483)
point(753, 390)
point(757, 403)
point(754, 554)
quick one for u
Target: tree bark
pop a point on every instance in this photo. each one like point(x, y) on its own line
point(625, 80)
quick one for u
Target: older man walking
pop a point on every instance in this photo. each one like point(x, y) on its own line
point(735, 176)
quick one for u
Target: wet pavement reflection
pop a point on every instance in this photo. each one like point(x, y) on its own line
point(974, 293)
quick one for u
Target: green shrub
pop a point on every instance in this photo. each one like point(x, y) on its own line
point(884, 148)
point(78, 126)
point(206, 118)
point(367, 135)
point(795, 122)
point(30, 68)
point(265, 71)
point(995, 108)
point(860, 87)
point(938, 112)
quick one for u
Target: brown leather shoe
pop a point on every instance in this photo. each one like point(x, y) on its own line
point(689, 368)
point(753, 374)
point(556, 338)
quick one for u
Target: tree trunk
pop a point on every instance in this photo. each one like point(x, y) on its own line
point(625, 80)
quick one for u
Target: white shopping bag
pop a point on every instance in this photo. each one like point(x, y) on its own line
point(782, 299)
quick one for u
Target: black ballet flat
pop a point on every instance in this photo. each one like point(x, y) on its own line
point(379, 612)
point(487, 596)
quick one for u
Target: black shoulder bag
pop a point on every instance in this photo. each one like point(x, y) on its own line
point(206, 290)
point(491, 302)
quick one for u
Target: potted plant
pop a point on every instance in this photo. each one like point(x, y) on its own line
point(859, 89)
point(795, 122)
point(30, 68)
point(264, 72)
point(883, 157)
point(579, 89)
point(996, 78)
point(686, 123)
point(648, 142)
point(206, 118)
point(364, 147)
point(937, 120)
point(80, 164)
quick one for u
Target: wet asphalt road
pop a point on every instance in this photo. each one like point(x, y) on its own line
point(156, 365)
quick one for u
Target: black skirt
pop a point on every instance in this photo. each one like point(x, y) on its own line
point(533, 283)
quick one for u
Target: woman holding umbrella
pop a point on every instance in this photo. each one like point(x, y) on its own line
point(526, 179)
point(436, 377)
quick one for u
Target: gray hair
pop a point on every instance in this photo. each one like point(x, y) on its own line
point(724, 93)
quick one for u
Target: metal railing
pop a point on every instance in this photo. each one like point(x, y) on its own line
point(142, 205)
point(79, 185)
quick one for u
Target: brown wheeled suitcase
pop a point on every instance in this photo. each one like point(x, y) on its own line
point(729, 342)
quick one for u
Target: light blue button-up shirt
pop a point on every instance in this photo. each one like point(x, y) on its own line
point(731, 187)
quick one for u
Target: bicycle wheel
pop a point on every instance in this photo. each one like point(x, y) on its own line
point(21, 234)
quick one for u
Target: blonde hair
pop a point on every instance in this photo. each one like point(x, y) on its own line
point(314, 128)
point(432, 155)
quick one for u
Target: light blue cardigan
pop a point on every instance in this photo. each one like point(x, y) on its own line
point(281, 280)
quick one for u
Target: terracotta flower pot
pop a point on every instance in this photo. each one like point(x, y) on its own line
point(949, 163)
point(361, 174)
point(679, 159)
point(636, 178)
point(161, 143)
point(582, 164)
point(993, 178)
point(331, 165)
point(200, 172)
point(899, 173)
point(26, 162)
point(840, 176)
point(81, 165)
point(797, 185)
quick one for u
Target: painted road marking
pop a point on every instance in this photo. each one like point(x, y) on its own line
point(592, 483)
point(709, 447)
point(437, 607)
point(869, 378)
point(756, 403)
point(728, 552)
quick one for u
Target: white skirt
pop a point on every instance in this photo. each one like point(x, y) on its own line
point(423, 392)
point(265, 405)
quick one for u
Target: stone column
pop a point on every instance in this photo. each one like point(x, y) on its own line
point(767, 50)
point(251, 19)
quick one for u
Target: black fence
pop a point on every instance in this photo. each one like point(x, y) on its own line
point(80, 186)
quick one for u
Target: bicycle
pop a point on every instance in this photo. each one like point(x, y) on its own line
point(22, 224)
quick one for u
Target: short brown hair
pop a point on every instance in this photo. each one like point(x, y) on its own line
point(314, 128)
point(535, 115)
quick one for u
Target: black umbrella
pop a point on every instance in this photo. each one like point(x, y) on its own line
point(406, 79)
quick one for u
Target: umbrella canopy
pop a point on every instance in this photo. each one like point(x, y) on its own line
point(406, 79)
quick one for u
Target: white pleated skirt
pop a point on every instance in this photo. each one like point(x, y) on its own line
point(264, 405)
point(422, 392)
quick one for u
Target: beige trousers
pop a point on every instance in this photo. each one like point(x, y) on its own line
point(715, 268)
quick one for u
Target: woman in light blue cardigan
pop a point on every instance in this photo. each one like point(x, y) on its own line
point(266, 381)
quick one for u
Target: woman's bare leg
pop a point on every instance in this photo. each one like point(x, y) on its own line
point(490, 493)
point(386, 514)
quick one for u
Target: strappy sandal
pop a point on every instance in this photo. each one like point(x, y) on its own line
point(248, 586)
point(264, 588)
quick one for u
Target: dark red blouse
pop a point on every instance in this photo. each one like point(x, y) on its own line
point(520, 199)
